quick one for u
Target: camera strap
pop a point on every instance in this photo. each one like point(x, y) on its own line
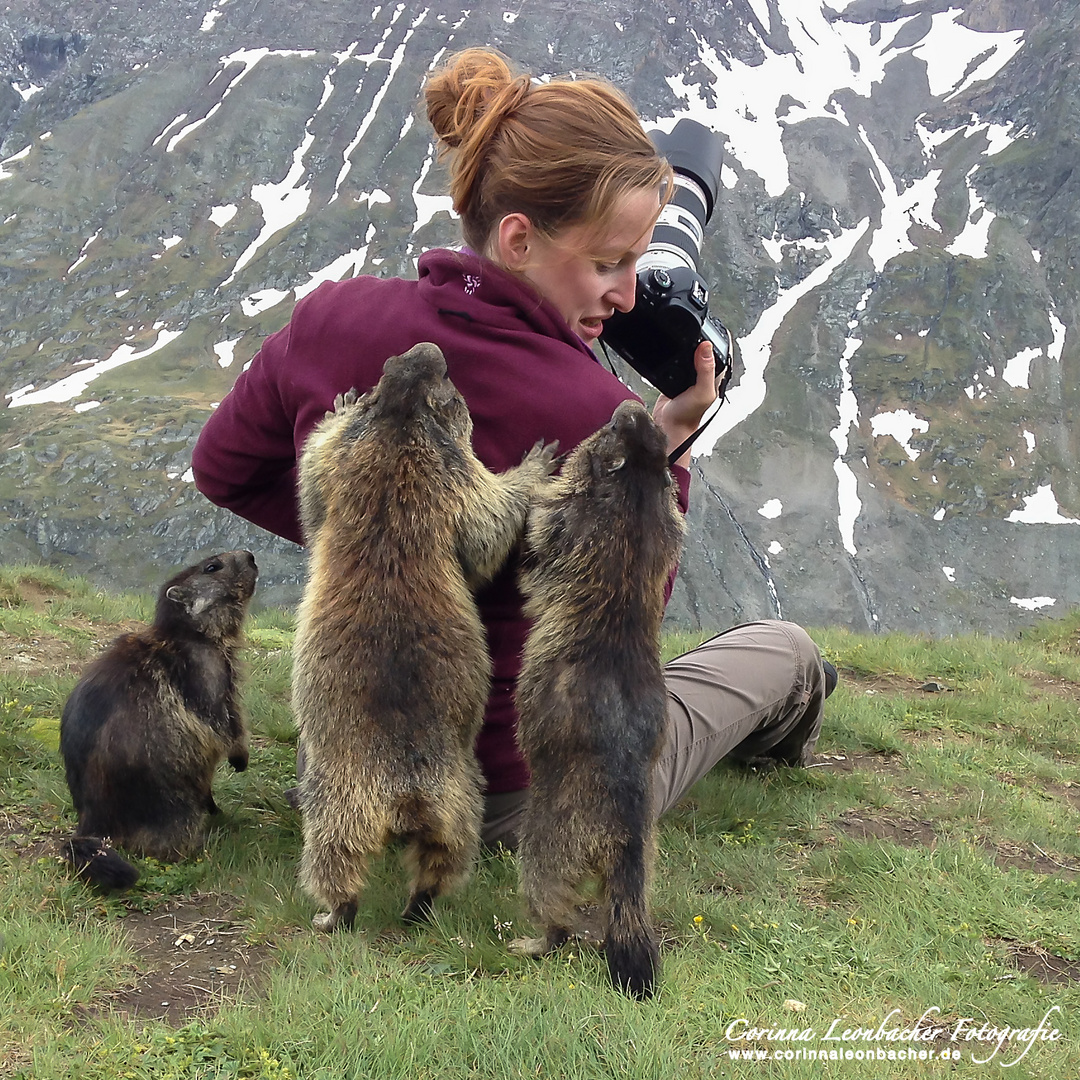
point(722, 381)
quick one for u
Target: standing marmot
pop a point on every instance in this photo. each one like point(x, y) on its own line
point(391, 671)
point(149, 721)
point(591, 700)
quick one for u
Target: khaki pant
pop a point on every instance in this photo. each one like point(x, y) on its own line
point(756, 690)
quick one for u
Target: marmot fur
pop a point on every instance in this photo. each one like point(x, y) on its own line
point(390, 665)
point(149, 721)
point(591, 699)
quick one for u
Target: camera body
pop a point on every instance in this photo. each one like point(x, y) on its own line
point(670, 316)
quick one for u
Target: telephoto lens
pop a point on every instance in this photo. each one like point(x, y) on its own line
point(670, 317)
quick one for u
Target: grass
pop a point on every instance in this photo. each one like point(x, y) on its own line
point(926, 866)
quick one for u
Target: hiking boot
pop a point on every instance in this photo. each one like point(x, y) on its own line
point(831, 677)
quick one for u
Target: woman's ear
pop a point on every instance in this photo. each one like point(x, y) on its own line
point(512, 237)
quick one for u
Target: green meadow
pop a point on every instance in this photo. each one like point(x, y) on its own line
point(905, 907)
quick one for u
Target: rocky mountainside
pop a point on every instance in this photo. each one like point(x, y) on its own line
point(894, 250)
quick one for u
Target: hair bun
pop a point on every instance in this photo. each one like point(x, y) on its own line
point(471, 91)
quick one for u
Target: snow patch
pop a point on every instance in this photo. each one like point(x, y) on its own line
point(248, 59)
point(747, 395)
point(212, 16)
point(1018, 369)
point(975, 235)
point(427, 206)
point(73, 385)
point(23, 153)
point(222, 215)
point(1041, 509)
point(348, 265)
point(828, 55)
point(1054, 349)
point(847, 485)
point(225, 351)
point(901, 425)
point(261, 301)
point(82, 252)
point(394, 64)
point(1032, 603)
point(28, 91)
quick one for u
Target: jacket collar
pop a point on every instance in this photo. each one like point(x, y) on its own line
point(479, 289)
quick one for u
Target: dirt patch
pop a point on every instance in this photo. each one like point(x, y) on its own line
point(50, 654)
point(891, 683)
point(191, 953)
point(35, 657)
point(1013, 857)
point(845, 762)
point(880, 684)
point(1039, 681)
point(917, 832)
point(37, 595)
point(1068, 792)
point(1046, 967)
point(906, 832)
point(1050, 686)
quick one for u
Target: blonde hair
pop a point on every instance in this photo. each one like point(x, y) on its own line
point(560, 152)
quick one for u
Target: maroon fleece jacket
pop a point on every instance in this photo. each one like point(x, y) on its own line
point(523, 373)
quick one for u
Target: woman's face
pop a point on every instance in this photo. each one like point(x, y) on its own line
point(589, 275)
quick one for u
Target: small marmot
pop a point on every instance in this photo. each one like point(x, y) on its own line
point(149, 721)
point(601, 542)
point(391, 671)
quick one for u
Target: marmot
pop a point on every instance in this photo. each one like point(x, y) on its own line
point(390, 665)
point(149, 721)
point(592, 706)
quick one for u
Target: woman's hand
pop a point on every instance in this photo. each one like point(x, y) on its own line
point(679, 417)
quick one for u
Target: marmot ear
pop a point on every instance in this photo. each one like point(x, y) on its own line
point(192, 605)
point(441, 394)
point(601, 468)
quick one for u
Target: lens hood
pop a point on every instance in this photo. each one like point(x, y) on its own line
point(695, 151)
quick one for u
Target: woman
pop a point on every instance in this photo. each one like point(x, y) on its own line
point(558, 188)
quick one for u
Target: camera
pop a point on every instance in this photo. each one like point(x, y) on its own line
point(670, 316)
